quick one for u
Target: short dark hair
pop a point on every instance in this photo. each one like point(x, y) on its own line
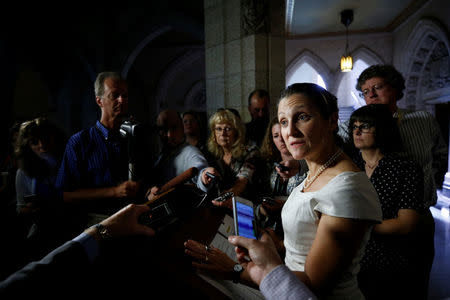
point(260, 93)
point(387, 135)
point(391, 76)
point(194, 114)
point(325, 101)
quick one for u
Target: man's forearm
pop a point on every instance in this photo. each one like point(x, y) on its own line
point(80, 195)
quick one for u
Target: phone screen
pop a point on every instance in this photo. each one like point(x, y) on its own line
point(244, 219)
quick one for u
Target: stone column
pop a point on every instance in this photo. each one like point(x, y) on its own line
point(446, 183)
point(244, 50)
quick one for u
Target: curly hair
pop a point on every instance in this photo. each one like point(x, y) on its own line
point(225, 116)
point(387, 135)
point(269, 150)
point(390, 75)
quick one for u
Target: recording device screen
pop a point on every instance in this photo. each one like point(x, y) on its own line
point(244, 219)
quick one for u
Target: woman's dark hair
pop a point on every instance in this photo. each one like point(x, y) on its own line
point(33, 131)
point(325, 101)
point(269, 150)
point(387, 135)
point(390, 75)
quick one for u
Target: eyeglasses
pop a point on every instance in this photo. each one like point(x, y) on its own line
point(376, 87)
point(364, 127)
point(225, 129)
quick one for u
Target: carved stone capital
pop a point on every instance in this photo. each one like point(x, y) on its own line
point(254, 17)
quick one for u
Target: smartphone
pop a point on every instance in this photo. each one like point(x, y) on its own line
point(244, 218)
point(283, 168)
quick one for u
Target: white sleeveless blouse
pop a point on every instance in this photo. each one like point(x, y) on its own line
point(348, 195)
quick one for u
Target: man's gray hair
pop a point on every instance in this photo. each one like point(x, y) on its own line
point(99, 85)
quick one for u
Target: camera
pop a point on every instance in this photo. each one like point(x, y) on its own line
point(128, 128)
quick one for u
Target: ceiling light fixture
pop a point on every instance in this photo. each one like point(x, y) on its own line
point(346, 59)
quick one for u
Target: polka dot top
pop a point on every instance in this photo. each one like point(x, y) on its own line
point(399, 186)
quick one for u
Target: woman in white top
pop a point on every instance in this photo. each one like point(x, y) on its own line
point(327, 219)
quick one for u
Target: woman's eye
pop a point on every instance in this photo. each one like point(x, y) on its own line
point(283, 123)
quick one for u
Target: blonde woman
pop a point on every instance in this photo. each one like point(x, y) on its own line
point(230, 155)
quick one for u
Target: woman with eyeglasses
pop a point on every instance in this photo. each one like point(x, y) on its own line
point(389, 266)
point(39, 148)
point(231, 156)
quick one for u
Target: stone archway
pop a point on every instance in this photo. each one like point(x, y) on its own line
point(195, 98)
point(426, 66)
point(315, 62)
point(167, 79)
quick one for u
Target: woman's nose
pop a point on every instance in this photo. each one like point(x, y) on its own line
point(292, 130)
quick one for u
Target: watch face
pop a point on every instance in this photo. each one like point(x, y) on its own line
point(238, 268)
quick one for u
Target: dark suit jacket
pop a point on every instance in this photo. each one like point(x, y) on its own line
point(64, 270)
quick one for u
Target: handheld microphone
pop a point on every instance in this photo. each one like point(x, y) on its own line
point(180, 179)
point(173, 183)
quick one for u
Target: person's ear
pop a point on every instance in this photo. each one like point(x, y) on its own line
point(99, 101)
point(334, 121)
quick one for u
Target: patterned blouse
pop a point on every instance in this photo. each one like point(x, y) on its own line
point(399, 186)
point(274, 186)
point(243, 166)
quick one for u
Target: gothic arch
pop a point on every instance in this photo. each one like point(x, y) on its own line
point(173, 22)
point(195, 98)
point(426, 66)
point(169, 76)
point(134, 54)
point(362, 53)
point(314, 61)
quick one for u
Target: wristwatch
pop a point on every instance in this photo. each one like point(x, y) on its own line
point(102, 231)
point(237, 270)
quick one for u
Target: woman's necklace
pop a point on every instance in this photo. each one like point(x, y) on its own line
point(322, 168)
point(373, 166)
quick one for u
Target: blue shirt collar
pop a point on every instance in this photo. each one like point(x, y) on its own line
point(103, 130)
